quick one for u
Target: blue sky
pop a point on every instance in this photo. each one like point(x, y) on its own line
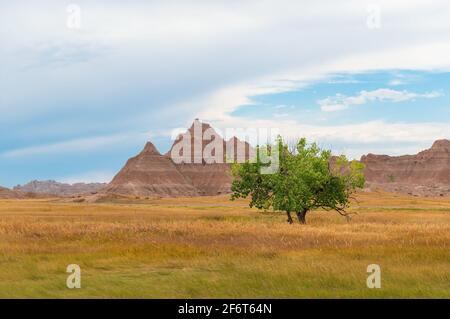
point(77, 100)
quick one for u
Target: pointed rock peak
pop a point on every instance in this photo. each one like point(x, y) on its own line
point(441, 144)
point(197, 124)
point(150, 149)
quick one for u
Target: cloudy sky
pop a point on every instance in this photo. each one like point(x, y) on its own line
point(85, 83)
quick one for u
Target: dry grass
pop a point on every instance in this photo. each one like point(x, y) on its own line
point(211, 247)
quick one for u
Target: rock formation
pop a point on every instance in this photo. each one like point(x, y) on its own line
point(424, 174)
point(196, 164)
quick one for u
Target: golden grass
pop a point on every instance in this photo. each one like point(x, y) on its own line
point(211, 247)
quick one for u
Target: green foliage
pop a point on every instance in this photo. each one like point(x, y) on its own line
point(308, 178)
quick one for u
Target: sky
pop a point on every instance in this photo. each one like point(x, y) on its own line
point(84, 84)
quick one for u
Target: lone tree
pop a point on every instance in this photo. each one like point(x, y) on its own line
point(308, 178)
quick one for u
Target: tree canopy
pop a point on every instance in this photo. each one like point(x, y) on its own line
point(307, 178)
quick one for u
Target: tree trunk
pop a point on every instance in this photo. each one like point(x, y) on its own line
point(301, 215)
point(289, 220)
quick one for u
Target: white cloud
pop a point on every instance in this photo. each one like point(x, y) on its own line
point(264, 39)
point(342, 102)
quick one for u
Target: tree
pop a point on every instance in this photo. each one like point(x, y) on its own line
point(308, 178)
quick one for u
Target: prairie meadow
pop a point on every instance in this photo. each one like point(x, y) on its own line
point(211, 247)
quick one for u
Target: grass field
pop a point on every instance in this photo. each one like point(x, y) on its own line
point(213, 248)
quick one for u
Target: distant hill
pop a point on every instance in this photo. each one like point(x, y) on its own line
point(424, 174)
point(51, 187)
